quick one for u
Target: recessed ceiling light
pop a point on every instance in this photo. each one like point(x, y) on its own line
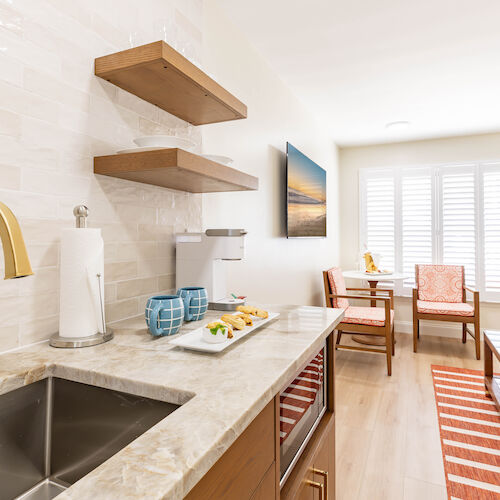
point(398, 125)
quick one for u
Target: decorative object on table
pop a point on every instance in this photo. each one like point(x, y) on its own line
point(17, 263)
point(370, 266)
point(491, 379)
point(81, 312)
point(195, 340)
point(224, 160)
point(164, 314)
point(201, 260)
point(468, 427)
point(366, 321)
point(441, 295)
point(306, 196)
point(217, 332)
point(195, 299)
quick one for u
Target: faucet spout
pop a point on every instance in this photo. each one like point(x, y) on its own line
point(17, 263)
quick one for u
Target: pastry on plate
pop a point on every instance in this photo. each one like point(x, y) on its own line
point(246, 318)
point(246, 309)
point(260, 313)
point(234, 321)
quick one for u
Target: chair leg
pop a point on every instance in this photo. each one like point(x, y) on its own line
point(415, 334)
point(464, 333)
point(339, 335)
point(393, 342)
point(477, 338)
point(388, 351)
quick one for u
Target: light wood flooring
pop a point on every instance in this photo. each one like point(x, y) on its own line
point(387, 432)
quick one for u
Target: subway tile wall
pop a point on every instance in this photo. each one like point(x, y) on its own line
point(55, 116)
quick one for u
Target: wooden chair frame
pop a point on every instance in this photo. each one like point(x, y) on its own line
point(386, 331)
point(465, 320)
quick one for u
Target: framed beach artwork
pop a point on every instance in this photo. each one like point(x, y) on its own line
point(306, 196)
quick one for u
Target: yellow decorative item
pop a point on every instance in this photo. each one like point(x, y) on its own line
point(370, 265)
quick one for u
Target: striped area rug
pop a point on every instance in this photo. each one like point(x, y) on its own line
point(469, 424)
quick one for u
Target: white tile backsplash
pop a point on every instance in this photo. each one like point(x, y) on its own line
point(55, 116)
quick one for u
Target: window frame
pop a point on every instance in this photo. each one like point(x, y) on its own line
point(436, 173)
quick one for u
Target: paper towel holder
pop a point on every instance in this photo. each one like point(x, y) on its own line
point(81, 213)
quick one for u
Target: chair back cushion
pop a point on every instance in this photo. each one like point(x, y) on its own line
point(438, 283)
point(337, 286)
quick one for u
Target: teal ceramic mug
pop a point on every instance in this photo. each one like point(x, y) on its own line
point(164, 314)
point(195, 300)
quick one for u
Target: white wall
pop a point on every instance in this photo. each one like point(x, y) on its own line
point(430, 152)
point(55, 116)
point(275, 269)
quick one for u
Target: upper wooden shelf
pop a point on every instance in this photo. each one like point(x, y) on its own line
point(175, 169)
point(158, 74)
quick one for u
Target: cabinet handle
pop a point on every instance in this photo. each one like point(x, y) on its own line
point(319, 487)
point(325, 476)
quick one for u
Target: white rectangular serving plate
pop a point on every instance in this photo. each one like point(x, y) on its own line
point(194, 340)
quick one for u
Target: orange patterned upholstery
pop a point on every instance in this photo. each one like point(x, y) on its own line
point(337, 287)
point(451, 308)
point(371, 316)
point(438, 283)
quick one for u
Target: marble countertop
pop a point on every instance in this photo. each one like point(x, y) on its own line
point(220, 394)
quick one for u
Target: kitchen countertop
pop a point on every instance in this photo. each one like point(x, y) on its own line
point(220, 394)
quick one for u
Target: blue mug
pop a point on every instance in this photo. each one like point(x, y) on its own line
point(164, 314)
point(195, 300)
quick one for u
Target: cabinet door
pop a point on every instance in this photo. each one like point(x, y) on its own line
point(324, 464)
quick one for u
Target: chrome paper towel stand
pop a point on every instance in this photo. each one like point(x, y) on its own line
point(81, 213)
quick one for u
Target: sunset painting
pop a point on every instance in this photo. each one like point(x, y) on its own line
point(306, 196)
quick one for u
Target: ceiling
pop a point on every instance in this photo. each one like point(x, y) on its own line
point(360, 64)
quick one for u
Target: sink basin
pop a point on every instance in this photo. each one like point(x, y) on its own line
point(55, 431)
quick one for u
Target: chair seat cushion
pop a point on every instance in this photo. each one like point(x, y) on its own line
point(370, 316)
point(450, 308)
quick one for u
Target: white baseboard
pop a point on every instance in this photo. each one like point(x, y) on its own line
point(434, 328)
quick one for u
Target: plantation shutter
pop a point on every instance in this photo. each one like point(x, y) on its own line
point(458, 219)
point(416, 221)
point(491, 210)
point(379, 217)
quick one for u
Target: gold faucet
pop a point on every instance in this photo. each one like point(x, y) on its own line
point(17, 263)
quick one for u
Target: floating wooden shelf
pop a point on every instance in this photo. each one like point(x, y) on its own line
point(175, 169)
point(158, 74)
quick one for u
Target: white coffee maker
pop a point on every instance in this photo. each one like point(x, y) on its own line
point(201, 261)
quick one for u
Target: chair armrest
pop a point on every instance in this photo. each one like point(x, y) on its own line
point(471, 290)
point(372, 290)
point(362, 297)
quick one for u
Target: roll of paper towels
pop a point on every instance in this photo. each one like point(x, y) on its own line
point(82, 291)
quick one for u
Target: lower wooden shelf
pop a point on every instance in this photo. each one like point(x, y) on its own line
point(175, 169)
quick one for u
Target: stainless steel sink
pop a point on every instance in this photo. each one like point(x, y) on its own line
point(54, 432)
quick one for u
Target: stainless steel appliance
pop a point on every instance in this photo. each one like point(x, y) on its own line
point(302, 404)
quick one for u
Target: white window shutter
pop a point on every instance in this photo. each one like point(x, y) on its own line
point(458, 219)
point(491, 229)
point(416, 221)
point(379, 217)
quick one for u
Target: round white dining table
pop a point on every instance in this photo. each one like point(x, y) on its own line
point(373, 280)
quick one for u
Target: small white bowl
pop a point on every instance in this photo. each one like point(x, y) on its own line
point(218, 338)
point(224, 160)
point(164, 141)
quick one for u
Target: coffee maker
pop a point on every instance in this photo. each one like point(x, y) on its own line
point(201, 260)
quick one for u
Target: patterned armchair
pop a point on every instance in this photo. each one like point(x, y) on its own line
point(374, 321)
point(440, 295)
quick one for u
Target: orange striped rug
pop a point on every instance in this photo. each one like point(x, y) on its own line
point(469, 424)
